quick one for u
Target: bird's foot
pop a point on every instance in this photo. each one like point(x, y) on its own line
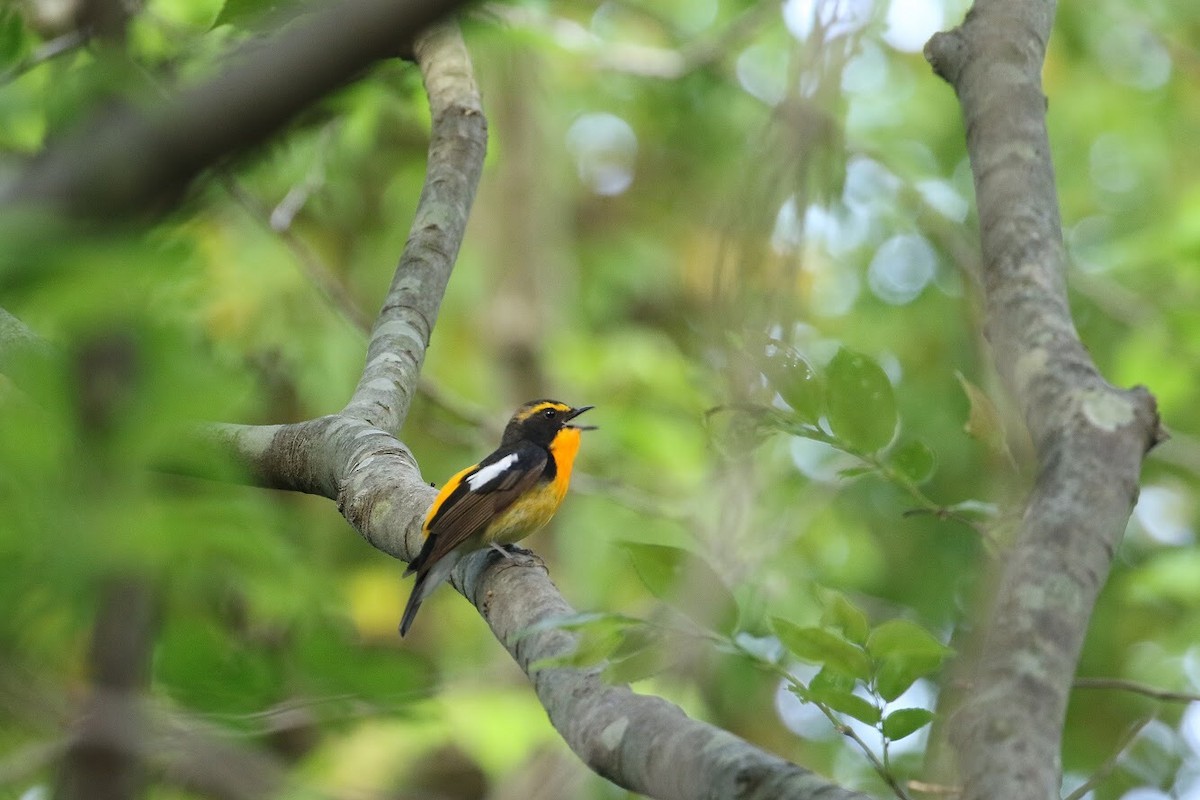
point(510, 551)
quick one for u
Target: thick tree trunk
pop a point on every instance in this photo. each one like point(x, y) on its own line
point(1090, 438)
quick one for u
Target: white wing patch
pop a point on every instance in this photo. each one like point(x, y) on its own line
point(490, 472)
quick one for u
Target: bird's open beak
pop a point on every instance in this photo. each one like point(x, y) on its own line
point(575, 412)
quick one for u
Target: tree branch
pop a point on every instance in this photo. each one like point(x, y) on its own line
point(1110, 763)
point(102, 759)
point(322, 455)
point(642, 743)
point(1090, 437)
point(125, 162)
point(401, 334)
point(59, 45)
point(1123, 685)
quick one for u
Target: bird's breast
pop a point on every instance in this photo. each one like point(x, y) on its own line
point(532, 511)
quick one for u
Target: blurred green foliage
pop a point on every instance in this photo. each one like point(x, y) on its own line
point(746, 234)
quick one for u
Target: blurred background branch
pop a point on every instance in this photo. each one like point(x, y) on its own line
point(125, 162)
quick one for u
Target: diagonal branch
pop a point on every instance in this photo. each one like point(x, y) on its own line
point(643, 743)
point(101, 761)
point(1123, 685)
point(60, 45)
point(1110, 763)
point(319, 456)
point(1090, 437)
point(401, 333)
point(126, 162)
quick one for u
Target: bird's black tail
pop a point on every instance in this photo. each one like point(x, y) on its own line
point(414, 603)
point(429, 576)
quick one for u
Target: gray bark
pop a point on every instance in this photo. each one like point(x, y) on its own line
point(1090, 437)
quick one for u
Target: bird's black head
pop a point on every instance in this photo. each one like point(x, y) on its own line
point(539, 421)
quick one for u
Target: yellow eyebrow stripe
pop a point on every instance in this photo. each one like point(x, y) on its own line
point(540, 407)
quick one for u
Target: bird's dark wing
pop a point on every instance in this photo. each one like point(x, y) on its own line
point(481, 494)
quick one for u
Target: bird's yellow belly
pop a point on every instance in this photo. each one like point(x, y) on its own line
point(524, 517)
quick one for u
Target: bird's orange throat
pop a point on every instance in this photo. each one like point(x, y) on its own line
point(563, 449)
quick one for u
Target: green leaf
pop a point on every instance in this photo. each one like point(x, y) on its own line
point(12, 35)
point(895, 674)
point(983, 420)
point(578, 621)
point(903, 652)
point(861, 404)
point(819, 646)
point(637, 638)
point(902, 637)
point(598, 635)
point(766, 649)
point(595, 645)
point(658, 566)
point(850, 704)
point(636, 666)
point(841, 613)
point(830, 680)
point(753, 611)
point(915, 461)
point(687, 582)
point(643, 652)
point(796, 381)
point(905, 722)
point(592, 646)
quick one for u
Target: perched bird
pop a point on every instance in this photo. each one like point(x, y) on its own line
point(500, 500)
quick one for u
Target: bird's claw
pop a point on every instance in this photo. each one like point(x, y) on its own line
point(510, 551)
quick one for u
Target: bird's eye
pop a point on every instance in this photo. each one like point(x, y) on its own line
point(550, 413)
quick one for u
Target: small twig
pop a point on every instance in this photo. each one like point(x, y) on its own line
point(1110, 763)
point(845, 730)
point(458, 408)
point(67, 43)
point(850, 733)
point(317, 271)
point(879, 704)
point(339, 299)
point(285, 210)
point(926, 503)
point(1123, 685)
